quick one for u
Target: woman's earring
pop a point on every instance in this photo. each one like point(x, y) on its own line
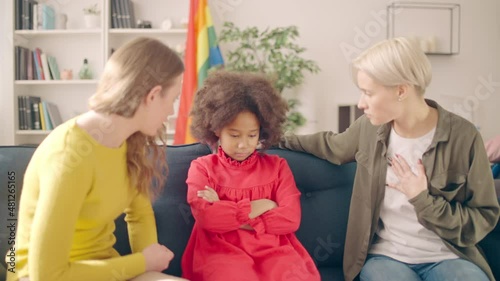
point(400, 99)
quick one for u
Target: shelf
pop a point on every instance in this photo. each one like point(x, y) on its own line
point(33, 132)
point(35, 33)
point(146, 31)
point(439, 54)
point(56, 82)
point(435, 27)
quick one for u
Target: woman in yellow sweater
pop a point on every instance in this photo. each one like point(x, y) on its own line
point(96, 166)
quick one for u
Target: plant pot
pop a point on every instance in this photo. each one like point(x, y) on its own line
point(92, 21)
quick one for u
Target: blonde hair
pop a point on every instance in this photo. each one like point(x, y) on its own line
point(395, 62)
point(129, 75)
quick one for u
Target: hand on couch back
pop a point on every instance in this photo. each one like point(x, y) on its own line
point(493, 149)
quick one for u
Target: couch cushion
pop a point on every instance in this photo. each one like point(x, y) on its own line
point(331, 273)
point(326, 192)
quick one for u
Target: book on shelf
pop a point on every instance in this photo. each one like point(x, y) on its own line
point(129, 14)
point(35, 65)
point(29, 68)
point(48, 16)
point(17, 57)
point(21, 109)
point(18, 14)
point(54, 69)
point(26, 108)
point(43, 124)
point(45, 66)
point(32, 15)
point(39, 69)
point(114, 15)
point(54, 115)
point(24, 12)
point(122, 14)
point(36, 114)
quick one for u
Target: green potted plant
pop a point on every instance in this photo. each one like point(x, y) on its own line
point(273, 52)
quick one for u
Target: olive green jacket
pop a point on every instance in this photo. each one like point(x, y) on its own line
point(460, 206)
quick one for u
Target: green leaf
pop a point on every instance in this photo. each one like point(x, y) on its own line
point(273, 51)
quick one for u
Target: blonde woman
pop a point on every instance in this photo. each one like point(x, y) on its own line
point(96, 166)
point(423, 195)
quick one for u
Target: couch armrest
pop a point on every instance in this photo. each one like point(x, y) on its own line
point(497, 189)
point(491, 243)
point(491, 248)
point(3, 272)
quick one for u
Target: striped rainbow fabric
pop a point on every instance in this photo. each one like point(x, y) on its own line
point(202, 53)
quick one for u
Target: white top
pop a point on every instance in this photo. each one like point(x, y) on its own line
point(400, 235)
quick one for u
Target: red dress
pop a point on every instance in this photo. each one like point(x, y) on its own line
point(218, 249)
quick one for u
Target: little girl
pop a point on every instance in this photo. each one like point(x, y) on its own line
point(246, 203)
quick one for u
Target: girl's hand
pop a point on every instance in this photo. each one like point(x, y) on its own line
point(157, 257)
point(246, 227)
point(261, 206)
point(410, 184)
point(208, 194)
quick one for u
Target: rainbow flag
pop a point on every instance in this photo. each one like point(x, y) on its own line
point(202, 53)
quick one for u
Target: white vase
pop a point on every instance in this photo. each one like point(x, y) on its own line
point(92, 21)
point(61, 20)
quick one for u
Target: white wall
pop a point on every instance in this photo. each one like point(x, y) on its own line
point(6, 76)
point(327, 26)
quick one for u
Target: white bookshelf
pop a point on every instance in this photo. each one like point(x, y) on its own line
point(72, 45)
point(33, 132)
point(137, 31)
point(56, 82)
point(39, 33)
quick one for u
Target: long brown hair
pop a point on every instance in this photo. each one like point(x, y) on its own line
point(130, 73)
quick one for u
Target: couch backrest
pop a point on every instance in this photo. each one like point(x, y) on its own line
point(326, 192)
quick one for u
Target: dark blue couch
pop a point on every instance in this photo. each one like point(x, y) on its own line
point(326, 192)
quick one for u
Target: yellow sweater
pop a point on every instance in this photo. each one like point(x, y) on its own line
point(74, 188)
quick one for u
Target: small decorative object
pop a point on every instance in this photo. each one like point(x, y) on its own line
point(85, 72)
point(92, 16)
point(67, 74)
point(166, 24)
point(180, 49)
point(423, 45)
point(431, 44)
point(61, 21)
point(144, 24)
point(427, 44)
point(184, 22)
